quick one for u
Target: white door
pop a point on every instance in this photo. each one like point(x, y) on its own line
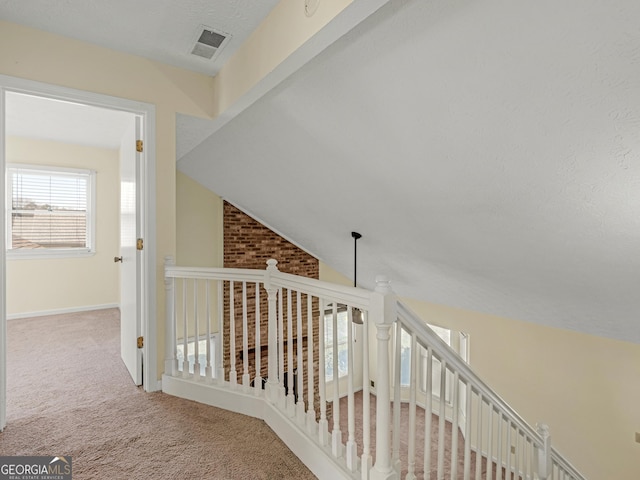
point(129, 256)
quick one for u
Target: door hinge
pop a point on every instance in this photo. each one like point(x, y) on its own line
point(139, 146)
point(140, 342)
point(139, 244)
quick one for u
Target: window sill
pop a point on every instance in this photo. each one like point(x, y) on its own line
point(49, 254)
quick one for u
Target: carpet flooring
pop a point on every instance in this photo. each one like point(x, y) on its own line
point(70, 394)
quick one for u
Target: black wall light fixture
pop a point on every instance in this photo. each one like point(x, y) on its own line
point(357, 315)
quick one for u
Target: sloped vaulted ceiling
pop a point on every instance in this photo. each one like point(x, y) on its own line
point(488, 151)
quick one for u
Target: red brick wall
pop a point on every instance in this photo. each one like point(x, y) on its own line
point(249, 244)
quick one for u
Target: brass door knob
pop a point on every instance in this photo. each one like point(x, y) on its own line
point(117, 259)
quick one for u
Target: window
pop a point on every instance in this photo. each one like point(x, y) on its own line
point(50, 211)
point(202, 354)
point(342, 346)
point(456, 340)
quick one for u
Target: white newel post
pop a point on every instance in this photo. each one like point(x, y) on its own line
point(383, 314)
point(170, 361)
point(544, 453)
point(272, 297)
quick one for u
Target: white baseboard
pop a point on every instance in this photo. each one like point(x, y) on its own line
point(232, 400)
point(62, 311)
point(318, 459)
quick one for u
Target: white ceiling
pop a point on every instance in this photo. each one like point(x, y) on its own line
point(48, 119)
point(488, 151)
point(161, 30)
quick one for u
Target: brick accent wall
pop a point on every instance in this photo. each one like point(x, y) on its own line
point(249, 244)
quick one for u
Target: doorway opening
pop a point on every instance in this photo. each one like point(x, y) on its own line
point(50, 128)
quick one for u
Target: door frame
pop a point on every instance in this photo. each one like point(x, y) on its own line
point(147, 211)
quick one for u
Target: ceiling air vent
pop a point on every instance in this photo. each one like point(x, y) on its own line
point(209, 42)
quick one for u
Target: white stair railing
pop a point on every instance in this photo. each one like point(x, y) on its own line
point(496, 442)
point(290, 342)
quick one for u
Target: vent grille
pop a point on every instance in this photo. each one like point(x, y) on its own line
point(209, 42)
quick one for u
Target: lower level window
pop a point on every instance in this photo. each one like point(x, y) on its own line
point(456, 340)
point(341, 349)
point(191, 354)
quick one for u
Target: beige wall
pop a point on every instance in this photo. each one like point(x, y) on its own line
point(584, 387)
point(284, 30)
point(56, 60)
point(199, 224)
point(46, 285)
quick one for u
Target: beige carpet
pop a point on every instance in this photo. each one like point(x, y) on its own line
point(70, 394)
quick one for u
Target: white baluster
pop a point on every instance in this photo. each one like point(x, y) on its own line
point(300, 369)
point(455, 425)
point(170, 363)
point(282, 402)
point(272, 299)
point(291, 401)
point(490, 442)
point(258, 344)
point(300, 357)
point(516, 457)
point(544, 453)
point(383, 307)
point(208, 370)
point(352, 447)
point(196, 362)
point(508, 450)
point(428, 414)
point(323, 426)
point(185, 331)
point(366, 460)
point(233, 374)
point(441, 417)
point(499, 447)
point(397, 406)
point(175, 325)
point(220, 337)
point(411, 453)
point(479, 436)
point(311, 412)
point(467, 433)
point(336, 434)
point(526, 457)
point(246, 379)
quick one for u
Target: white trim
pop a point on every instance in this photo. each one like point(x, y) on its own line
point(61, 311)
point(149, 292)
point(3, 273)
point(39, 253)
point(46, 169)
point(147, 112)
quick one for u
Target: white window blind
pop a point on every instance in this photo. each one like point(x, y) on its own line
point(50, 209)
